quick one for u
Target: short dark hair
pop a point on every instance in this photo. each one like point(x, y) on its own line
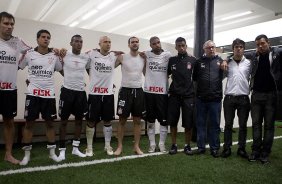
point(42, 31)
point(238, 41)
point(76, 36)
point(180, 39)
point(131, 38)
point(261, 36)
point(153, 38)
point(7, 15)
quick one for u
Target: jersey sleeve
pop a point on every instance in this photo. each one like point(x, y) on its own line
point(58, 64)
point(22, 46)
point(24, 61)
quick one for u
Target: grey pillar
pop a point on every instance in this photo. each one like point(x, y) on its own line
point(204, 12)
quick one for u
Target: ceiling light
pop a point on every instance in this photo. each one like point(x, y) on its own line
point(237, 15)
point(104, 4)
point(74, 24)
point(89, 14)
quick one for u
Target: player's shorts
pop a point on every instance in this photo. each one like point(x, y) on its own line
point(156, 107)
point(131, 100)
point(72, 102)
point(8, 103)
point(101, 107)
point(35, 105)
point(177, 102)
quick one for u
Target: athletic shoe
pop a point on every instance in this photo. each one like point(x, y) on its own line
point(187, 150)
point(173, 149)
point(242, 153)
point(75, 151)
point(215, 153)
point(89, 152)
point(226, 153)
point(254, 156)
point(55, 158)
point(152, 149)
point(162, 148)
point(109, 150)
point(264, 158)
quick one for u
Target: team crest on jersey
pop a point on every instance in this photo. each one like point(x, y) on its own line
point(119, 110)
point(189, 66)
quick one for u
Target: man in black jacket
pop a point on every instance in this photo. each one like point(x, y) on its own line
point(208, 77)
point(181, 94)
point(266, 81)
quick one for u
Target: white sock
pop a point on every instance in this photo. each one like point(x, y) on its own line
point(52, 153)
point(108, 131)
point(89, 136)
point(62, 155)
point(151, 134)
point(163, 134)
point(26, 157)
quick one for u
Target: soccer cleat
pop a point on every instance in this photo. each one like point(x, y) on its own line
point(89, 152)
point(173, 149)
point(187, 150)
point(162, 148)
point(75, 151)
point(226, 153)
point(109, 150)
point(152, 149)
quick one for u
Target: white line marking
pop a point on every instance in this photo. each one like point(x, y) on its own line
point(93, 162)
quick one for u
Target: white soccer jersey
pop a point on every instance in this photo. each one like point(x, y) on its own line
point(132, 70)
point(74, 70)
point(156, 80)
point(41, 73)
point(10, 53)
point(101, 73)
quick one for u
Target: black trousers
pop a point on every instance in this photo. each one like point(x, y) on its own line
point(230, 105)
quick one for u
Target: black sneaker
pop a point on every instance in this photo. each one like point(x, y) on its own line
point(173, 149)
point(187, 150)
point(264, 158)
point(254, 156)
point(226, 153)
point(242, 153)
point(215, 153)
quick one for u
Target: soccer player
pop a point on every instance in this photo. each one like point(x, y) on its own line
point(131, 96)
point(42, 63)
point(73, 99)
point(155, 88)
point(101, 94)
point(10, 50)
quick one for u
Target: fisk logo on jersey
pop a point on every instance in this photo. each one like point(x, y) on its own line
point(101, 67)
point(156, 67)
point(100, 90)
point(4, 58)
point(41, 92)
point(156, 89)
point(5, 85)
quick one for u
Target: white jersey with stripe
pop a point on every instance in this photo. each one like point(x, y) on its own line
point(41, 70)
point(132, 70)
point(156, 79)
point(10, 54)
point(74, 70)
point(101, 73)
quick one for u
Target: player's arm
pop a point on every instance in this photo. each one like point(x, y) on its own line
point(118, 61)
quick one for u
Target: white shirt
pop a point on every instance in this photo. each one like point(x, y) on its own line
point(41, 73)
point(101, 73)
point(132, 69)
point(74, 70)
point(156, 79)
point(238, 77)
point(10, 54)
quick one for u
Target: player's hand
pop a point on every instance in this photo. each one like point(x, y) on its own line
point(224, 65)
point(63, 52)
point(117, 53)
point(143, 55)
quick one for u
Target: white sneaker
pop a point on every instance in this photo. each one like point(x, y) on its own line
point(162, 148)
point(152, 149)
point(109, 150)
point(25, 161)
point(78, 153)
point(89, 152)
point(55, 158)
point(62, 155)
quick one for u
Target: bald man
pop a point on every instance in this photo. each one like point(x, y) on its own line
point(101, 95)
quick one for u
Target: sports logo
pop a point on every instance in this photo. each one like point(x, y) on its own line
point(121, 103)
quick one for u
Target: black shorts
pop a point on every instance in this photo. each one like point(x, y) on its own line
point(156, 107)
point(131, 100)
point(35, 105)
point(101, 107)
point(8, 103)
point(175, 103)
point(72, 102)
